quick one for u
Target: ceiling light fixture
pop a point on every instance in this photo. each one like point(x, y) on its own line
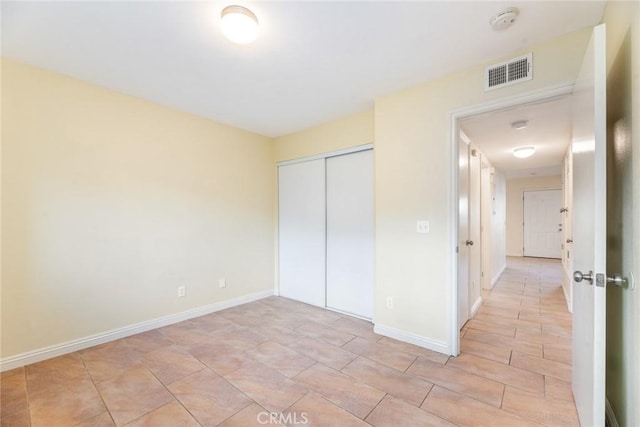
point(239, 24)
point(524, 152)
point(520, 124)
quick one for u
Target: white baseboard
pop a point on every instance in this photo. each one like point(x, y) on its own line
point(420, 341)
point(41, 354)
point(495, 278)
point(475, 307)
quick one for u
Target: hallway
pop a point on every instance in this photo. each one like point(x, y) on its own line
point(521, 337)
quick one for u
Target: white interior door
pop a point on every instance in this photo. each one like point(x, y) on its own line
point(475, 262)
point(542, 223)
point(350, 233)
point(463, 233)
point(301, 215)
point(589, 232)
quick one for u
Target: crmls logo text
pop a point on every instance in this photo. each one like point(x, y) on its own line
point(292, 418)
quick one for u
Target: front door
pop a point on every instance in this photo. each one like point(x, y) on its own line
point(589, 233)
point(542, 223)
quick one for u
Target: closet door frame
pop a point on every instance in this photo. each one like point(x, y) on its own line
point(321, 156)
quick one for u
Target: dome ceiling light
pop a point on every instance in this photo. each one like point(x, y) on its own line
point(239, 24)
point(524, 152)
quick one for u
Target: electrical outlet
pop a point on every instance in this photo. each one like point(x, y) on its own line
point(182, 291)
point(390, 303)
point(222, 283)
point(422, 227)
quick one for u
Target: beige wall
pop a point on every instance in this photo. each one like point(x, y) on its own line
point(623, 208)
point(413, 172)
point(515, 215)
point(109, 203)
point(344, 133)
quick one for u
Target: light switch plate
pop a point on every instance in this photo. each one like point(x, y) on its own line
point(422, 227)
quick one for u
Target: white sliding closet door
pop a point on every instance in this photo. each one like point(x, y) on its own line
point(301, 192)
point(350, 233)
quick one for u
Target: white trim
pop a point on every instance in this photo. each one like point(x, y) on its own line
point(567, 282)
point(475, 307)
point(495, 278)
point(342, 152)
point(538, 96)
point(610, 416)
point(41, 354)
point(420, 341)
point(346, 313)
point(452, 295)
point(542, 95)
point(464, 138)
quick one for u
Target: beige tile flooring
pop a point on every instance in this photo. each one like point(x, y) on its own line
point(280, 360)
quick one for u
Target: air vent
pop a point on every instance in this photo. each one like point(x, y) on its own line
point(507, 73)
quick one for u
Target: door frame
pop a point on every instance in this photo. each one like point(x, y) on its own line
point(536, 96)
point(463, 287)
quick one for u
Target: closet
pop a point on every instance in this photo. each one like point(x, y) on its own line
point(326, 231)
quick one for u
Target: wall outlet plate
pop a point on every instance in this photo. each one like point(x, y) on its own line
point(182, 291)
point(422, 227)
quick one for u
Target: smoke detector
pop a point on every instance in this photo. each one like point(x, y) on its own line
point(520, 124)
point(504, 19)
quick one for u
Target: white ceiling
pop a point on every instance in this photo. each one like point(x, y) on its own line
point(313, 62)
point(548, 130)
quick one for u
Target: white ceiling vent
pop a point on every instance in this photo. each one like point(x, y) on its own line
point(510, 72)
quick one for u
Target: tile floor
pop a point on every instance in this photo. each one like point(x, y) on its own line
point(279, 360)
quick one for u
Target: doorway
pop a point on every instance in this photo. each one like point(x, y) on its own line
point(491, 264)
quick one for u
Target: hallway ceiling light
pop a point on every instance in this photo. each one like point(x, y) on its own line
point(239, 24)
point(524, 152)
point(520, 124)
